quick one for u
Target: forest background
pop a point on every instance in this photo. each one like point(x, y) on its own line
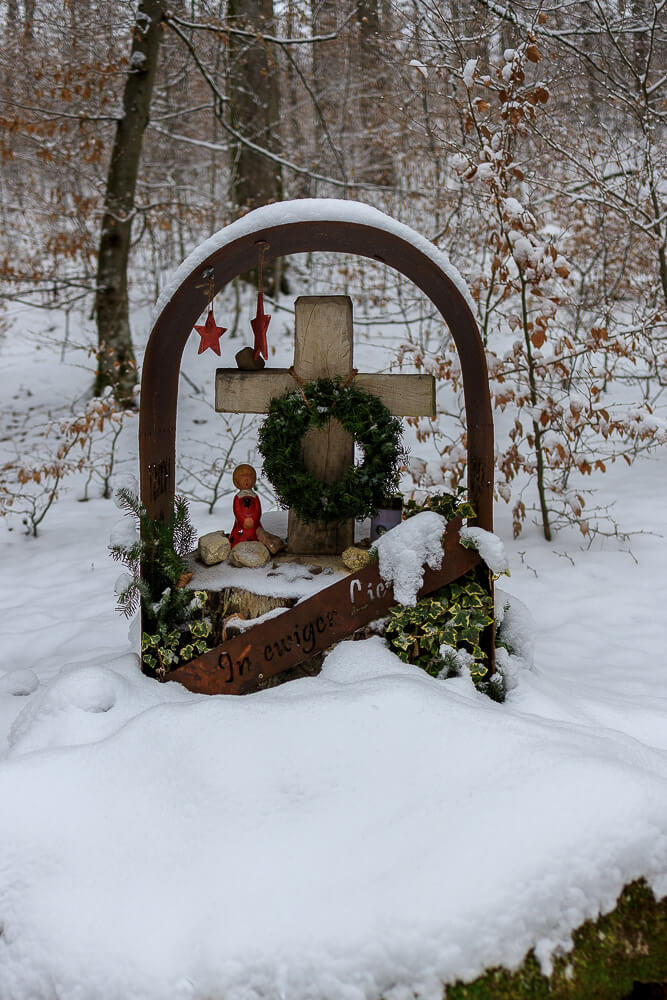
point(526, 140)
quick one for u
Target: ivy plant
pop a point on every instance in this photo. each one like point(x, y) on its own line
point(442, 632)
point(450, 505)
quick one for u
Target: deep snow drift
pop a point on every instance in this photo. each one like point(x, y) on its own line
point(372, 830)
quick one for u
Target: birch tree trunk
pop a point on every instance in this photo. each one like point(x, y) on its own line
point(116, 362)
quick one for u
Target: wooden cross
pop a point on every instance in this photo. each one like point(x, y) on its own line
point(323, 348)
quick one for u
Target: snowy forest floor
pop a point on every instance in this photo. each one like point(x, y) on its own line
point(369, 832)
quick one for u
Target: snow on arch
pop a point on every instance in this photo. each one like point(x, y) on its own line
point(306, 225)
point(307, 210)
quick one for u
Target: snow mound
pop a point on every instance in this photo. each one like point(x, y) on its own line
point(343, 666)
point(489, 546)
point(19, 682)
point(404, 550)
point(126, 482)
point(84, 704)
point(328, 838)
point(515, 626)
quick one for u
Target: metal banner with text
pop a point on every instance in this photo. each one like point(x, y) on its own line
point(243, 662)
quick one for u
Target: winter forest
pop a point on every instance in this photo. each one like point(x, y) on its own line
point(373, 831)
point(525, 140)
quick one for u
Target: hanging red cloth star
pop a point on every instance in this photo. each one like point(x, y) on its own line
point(210, 334)
point(260, 325)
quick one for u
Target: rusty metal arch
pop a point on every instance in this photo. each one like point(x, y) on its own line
point(162, 359)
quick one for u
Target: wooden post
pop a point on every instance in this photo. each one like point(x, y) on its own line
point(323, 348)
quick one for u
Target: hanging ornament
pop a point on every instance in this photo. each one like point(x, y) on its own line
point(210, 332)
point(260, 323)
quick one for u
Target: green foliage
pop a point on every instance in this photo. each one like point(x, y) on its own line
point(159, 549)
point(450, 505)
point(609, 955)
point(441, 633)
point(165, 648)
point(175, 628)
point(363, 488)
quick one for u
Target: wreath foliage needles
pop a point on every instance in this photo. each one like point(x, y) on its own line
point(362, 489)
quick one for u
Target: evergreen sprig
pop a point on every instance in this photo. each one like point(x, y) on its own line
point(363, 488)
point(175, 628)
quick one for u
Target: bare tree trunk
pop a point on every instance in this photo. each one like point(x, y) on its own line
point(29, 20)
point(255, 107)
point(300, 137)
point(327, 99)
point(375, 86)
point(254, 93)
point(116, 363)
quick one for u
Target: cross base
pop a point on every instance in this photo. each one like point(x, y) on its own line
point(318, 539)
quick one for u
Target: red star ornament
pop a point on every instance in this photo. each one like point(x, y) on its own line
point(210, 334)
point(260, 325)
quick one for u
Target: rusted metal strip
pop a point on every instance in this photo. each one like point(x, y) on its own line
point(241, 664)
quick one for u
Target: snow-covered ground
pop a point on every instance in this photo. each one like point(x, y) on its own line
point(369, 831)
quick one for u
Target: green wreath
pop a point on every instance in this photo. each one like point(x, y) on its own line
point(363, 488)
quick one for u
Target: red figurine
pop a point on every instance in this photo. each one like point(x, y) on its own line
point(247, 508)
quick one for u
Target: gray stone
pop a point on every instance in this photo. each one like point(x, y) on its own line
point(213, 548)
point(249, 554)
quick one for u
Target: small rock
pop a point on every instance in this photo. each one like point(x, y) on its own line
point(246, 362)
point(274, 543)
point(213, 548)
point(355, 558)
point(249, 554)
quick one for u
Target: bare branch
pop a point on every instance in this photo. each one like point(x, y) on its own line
point(254, 36)
point(261, 150)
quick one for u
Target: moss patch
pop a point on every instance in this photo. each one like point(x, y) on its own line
point(609, 956)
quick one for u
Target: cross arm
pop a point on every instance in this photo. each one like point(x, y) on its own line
point(251, 392)
point(403, 395)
